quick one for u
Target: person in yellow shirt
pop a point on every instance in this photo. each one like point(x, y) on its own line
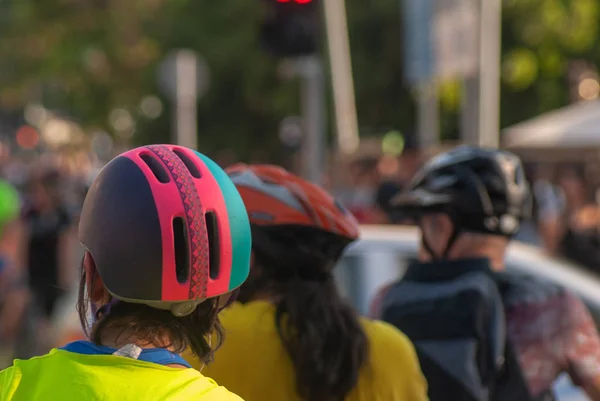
point(167, 240)
point(291, 336)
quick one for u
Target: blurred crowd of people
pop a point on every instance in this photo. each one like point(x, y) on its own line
point(566, 215)
point(44, 247)
point(565, 218)
point(39, 251)
point(370, 181)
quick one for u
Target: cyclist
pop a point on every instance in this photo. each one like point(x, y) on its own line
point(166, 234)
point(10, 226)
point(468, 203)
point(50, 241)
point(14, 294)
point(291, 336)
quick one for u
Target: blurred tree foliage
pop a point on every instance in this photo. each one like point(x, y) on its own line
point(91, 56)
point(542, 38)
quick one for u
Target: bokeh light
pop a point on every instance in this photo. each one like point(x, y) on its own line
point(35, 114)
point(151, 107)
point(450, 94)
point(121, 120)
point(393, 143)
point(520, 69)
point(27, 137)
point(589, 89)
point(57, 132)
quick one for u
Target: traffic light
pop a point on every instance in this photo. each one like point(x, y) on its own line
point(291, 28)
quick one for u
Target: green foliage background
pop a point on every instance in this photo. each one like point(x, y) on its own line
point(91, 56)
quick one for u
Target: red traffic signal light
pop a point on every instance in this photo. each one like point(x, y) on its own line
point(291, 28)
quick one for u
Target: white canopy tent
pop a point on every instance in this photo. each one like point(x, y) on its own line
point(575, 126)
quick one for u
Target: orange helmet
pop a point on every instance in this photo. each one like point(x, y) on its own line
point(282, 203)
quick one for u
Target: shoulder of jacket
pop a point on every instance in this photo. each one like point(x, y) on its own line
point(219, 393)
point(519, 288)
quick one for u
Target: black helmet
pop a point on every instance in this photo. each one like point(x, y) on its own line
point(481, 190)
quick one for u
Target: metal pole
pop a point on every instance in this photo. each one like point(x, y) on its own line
point(469, 118)
point(471, 112)
point(186, 124)
point(428, 116)
point(489, 86)
point(341, 76)
point(313, 110)
point(174, 124)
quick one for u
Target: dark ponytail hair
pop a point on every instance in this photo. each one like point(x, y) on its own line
point(319, 330)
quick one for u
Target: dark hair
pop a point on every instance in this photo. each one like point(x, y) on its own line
point(365, 165)
point(319, 330)
point(149, 324)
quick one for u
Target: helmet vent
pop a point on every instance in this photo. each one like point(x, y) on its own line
point(156, 167)
point(188, 163)
point(212, 228)
point(181, 246)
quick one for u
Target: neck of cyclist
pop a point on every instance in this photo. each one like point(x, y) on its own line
point(116, 332)
point(117, 335)
point(469, 246)
point(117, 338)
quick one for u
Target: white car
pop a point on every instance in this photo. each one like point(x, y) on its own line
point(382, 255)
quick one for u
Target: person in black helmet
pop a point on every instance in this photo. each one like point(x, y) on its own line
point(482, 333)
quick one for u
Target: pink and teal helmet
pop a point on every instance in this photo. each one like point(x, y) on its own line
point(167, 228)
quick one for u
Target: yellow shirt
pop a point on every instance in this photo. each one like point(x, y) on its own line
point(253, 363)
point(67, 376)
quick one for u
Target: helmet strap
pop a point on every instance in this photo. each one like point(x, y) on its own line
point(453, 237)
point(451, 240)
point(428, 248)
point(104, 309)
